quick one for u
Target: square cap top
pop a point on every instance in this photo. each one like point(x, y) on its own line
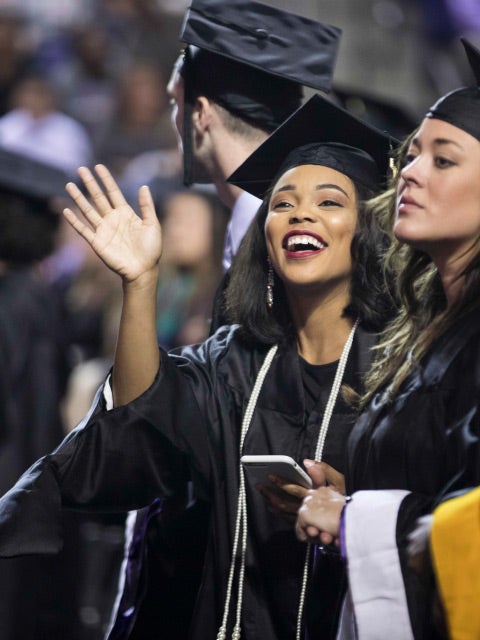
point(319, 133)
point(265, 38)
point(30, 178)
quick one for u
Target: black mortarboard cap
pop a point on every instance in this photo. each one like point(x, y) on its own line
point(265, 38)
point(253, 59)
point(323, 133)
point(30, 178)
point(461, 107)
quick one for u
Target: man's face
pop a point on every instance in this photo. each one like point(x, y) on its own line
point(176, 95)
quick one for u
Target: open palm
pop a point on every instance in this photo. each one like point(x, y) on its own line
point(128, 244)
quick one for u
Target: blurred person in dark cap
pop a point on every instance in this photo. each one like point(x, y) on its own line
point(33, 375)
point(17, 52)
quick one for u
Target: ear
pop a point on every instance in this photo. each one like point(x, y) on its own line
point(203, 114)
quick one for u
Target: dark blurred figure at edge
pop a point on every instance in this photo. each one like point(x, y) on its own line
point(33, 373)
point(222, 112)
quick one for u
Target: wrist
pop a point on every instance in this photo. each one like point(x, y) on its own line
point(146, 281)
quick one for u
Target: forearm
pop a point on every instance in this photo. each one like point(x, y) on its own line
point(137, 356)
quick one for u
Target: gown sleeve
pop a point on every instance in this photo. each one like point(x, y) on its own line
point(121, 459)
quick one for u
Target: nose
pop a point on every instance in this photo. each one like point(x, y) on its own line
point(301, 214)
point(414, 170)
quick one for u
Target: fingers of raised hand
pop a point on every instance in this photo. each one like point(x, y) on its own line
point(115, 196)
point(99, 199)
point(80, 228)
point(90, 213)
point(146, 203)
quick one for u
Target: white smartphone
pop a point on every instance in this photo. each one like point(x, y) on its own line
point(259, 467)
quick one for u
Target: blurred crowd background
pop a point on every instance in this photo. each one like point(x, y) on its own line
point(84, 81)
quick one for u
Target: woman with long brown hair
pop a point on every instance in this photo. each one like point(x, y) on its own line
point(418, 436)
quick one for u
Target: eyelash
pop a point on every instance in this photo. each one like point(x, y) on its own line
point(443, 163)
point(439, 161)
point(323, 203)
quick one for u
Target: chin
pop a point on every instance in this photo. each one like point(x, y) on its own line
point(405, 234)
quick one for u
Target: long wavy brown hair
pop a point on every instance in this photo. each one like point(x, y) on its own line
point(423, 314)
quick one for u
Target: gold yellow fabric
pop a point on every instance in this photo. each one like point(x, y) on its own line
point(455, 547)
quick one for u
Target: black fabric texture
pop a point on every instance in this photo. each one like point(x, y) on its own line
point(124, 458)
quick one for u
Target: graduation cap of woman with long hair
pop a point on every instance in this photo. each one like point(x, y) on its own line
point(461, 107)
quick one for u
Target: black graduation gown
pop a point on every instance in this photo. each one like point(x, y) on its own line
point(33, 374)
point(426, 441)
point(124, 458)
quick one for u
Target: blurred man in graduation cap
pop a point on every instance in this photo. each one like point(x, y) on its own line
point(240, 76)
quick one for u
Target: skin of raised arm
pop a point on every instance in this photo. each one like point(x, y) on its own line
point(131, 246)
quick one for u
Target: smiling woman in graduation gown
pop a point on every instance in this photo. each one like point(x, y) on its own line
point(194, 406)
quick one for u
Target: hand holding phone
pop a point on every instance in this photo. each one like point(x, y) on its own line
point(259, 467)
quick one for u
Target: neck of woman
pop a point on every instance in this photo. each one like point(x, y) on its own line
point(450, 272)
point(451, 263)
point(322, 331)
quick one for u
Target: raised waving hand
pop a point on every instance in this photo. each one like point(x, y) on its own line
point(129, 244)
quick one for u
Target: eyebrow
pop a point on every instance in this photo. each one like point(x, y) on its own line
point(437, 142)
point(318, 187)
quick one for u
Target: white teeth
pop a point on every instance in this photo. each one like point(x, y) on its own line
point(294, 241)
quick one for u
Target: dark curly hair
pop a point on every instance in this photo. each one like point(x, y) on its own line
point(245, 300)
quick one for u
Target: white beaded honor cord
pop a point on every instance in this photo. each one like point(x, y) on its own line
point(322, 434)
point(241, 529)
point(241, 520)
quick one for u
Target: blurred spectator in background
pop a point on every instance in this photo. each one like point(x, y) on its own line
point(85, 79)
point(140, 30)
point(142, 119)
point(35, 127)
point(193, 228)
point(33, 376)
point(16, 54)
point(161, 169)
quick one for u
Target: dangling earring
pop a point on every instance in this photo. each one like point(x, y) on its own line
point(270, 283)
